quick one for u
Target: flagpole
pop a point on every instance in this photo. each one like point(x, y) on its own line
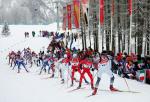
point(89, 22)
point(101, 15)
point(130, 36)
point(111, 31)
point(130, 45)
point(71, 25)
point(112, 14)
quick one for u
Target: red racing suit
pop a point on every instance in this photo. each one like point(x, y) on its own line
point(75, 67)
point(66, 60)
point(86, 64)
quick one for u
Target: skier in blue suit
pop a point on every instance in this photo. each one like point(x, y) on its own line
point(20, 61)
point(44, 64)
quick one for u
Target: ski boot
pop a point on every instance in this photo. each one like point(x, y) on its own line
point(71, 84)
point(18, 71)
point(45, 70)
point(79, 86)
point(95, 91)
point(62, 81)
point(52, 76)
point(112, 88)
point(26, 70)
point(86, 81)
point(40, 72)
point(92, 87)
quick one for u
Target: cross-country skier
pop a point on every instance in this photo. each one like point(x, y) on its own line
point(11, 56)
point(75, 68)
point(45, 64)
point(52, 64)
point(104, 66)
point(40, 58)
point(29, 57)
point(96, 60)
point(65, 66)
point(58, 66)
point(86, 66)
point(20, 61)
point(34, 57)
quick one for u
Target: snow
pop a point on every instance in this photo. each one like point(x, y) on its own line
point(31, 87)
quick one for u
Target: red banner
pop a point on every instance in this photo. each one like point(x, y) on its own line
point(64, 18)
point(112, 7)
point(84, 1)
point(69, 17)
point(76, 5)
point(130, 6)
point(84, 5)
point(101, 6)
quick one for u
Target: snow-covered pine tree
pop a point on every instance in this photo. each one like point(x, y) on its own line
point(5, 30)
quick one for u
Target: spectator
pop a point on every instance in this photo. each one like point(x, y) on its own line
point(33, 33)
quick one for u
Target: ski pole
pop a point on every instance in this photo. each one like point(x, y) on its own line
point(58, 69)
point(95, 74)
point(127, 84)
point(67, 75)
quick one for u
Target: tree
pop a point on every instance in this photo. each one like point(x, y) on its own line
point(5, 30)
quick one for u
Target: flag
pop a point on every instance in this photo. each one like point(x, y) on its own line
point(84, 5)
point(85, 9)
point(101, 7)
point(130, 33)
point(84, 1)
point(59, 37)
point(69, 17)
point(112, 7)
point(141, 75)
point(76, 5)
point(130, 7)
point(64, 18)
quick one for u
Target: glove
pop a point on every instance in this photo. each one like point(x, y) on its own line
point(92, 69)
point(69, 63)
point(80, 66)
point(76, 70)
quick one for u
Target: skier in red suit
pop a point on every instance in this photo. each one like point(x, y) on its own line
point(12, 56)
point(52, 61)
point(86, 65)
point(75, 68)
point(68, 52)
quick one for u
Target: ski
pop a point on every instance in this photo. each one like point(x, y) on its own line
point(119, 91)
point(46, 78)
point(90, 95)
point(113, 91)
point(77, 81)
point(128, 91)
point(76, 89)
point(50, 77)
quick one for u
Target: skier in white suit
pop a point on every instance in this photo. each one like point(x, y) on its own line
point(65, 67)
point(105, 66)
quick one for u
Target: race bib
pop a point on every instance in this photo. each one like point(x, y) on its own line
point(75, 64)
point(85, 66)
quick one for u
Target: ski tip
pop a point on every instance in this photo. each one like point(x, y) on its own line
point(91, 95)
point(128, 91)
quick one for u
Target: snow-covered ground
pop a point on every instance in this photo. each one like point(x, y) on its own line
point(31, 87)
